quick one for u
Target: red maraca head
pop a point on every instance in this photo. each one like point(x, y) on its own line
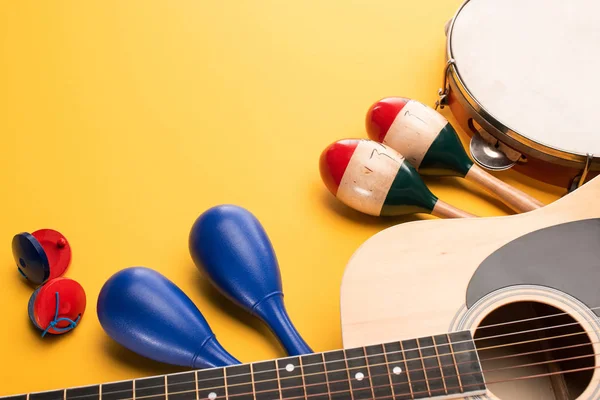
point(334, 161)
point(381, 115)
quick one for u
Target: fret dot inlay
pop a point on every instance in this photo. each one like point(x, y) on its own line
point(289, 368)
point(212, 395)
point(359, 376)
point(397, 370)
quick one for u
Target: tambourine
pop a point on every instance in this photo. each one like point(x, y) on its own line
point(521, 79)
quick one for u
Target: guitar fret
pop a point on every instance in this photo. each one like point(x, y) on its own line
point(432, 368)
point(448, 365)
point(359, 374)
point(398, 373)
point(414, 368)
point(337, 375)
point(303, 380)
point(315, 378)
point(252, 378)
point(182, 386)
point(424, 369)
point(326, 378)
point(278, 381)
point(266, 382)
point(224, 380)
point(379, 372)
point(349, 376)
point(291, 378)
point(412, 395)
point(454, 364)
point(196, 384)
point(368, 370)
point(439, 360)
point(388, 368)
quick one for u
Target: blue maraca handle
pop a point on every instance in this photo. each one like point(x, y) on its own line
point(148, 314)
point(229, 245)
point(272, 309)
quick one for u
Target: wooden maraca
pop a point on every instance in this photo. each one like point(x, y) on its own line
point(230, 246)
point(377, 180)
point(148, 314)
point(431, 145)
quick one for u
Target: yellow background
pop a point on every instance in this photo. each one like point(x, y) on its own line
point(122, 121)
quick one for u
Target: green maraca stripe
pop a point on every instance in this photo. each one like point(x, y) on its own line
point(408, 194)
point(446, 155)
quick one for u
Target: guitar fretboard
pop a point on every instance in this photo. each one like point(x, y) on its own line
point(445, 366)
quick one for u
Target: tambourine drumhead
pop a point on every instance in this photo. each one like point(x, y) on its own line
point(534, 67)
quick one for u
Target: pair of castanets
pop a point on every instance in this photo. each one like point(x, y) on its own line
point(380, 176)
point(147, 313)
point(58, 303)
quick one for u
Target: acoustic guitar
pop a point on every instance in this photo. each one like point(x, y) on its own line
point(479, 308)
point(524, 286)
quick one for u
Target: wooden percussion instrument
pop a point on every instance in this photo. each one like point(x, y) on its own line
point(521, 78)
point(431, 145)
point(375, 179)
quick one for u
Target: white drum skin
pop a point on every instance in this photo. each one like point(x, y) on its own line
point(527, 73)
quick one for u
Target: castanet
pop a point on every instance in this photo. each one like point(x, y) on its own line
point(375, 179)
point(230, 246)
point(431, 145)
point(145, 312)
point(42, 255)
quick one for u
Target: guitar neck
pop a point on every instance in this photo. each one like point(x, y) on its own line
point(441, 366)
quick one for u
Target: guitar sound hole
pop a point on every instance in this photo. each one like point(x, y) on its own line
point(533, 347)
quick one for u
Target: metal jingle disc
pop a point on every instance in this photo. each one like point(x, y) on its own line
point(42, 306)
point(488, 156)
point(41, 256)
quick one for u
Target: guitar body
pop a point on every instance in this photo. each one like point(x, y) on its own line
point(501, 276)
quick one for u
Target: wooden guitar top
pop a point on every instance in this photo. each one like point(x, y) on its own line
point(411, 279)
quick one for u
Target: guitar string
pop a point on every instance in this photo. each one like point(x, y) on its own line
point(444, 344)
point(466, 341)
point(396, 361)
point(393, 396)
point(412, 392)
point(391, 383)
point(378, 354)
point(537, 318)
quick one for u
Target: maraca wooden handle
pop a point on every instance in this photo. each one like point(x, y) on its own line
point(512, 197)
point(445, 210)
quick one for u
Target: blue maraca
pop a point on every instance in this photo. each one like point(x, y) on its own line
point(147, 313)
point(230, 246)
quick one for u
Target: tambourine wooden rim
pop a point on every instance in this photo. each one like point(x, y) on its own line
point(503, 133)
